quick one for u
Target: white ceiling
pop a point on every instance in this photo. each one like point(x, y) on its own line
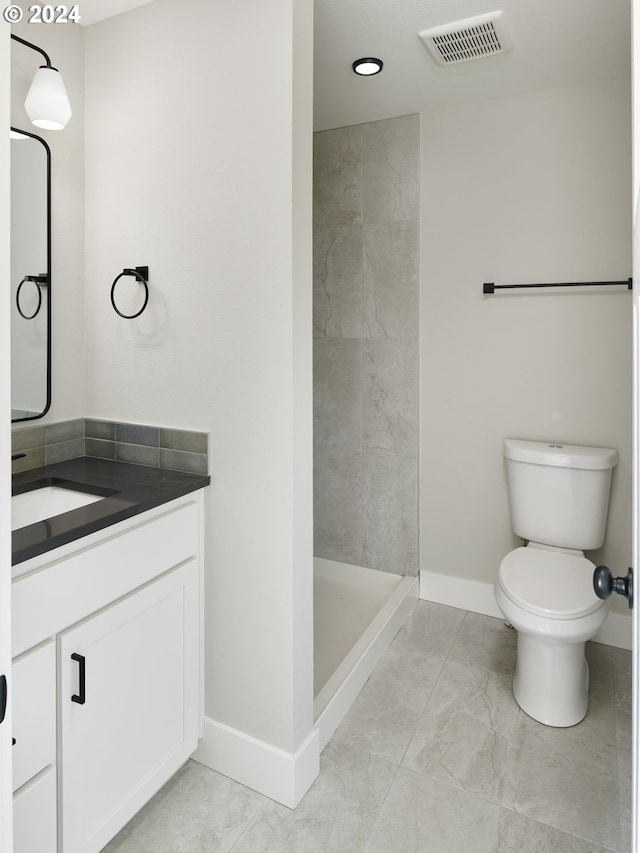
point(92, 11)
point(556, 43)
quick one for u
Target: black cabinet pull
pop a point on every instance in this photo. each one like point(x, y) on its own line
point(79, 697)
point(3, 697)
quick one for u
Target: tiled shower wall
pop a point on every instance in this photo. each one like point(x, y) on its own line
point(365, 314)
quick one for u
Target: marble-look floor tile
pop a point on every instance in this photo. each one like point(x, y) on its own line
point(421, 815)
point(625, 760)
point(430, 629)
point(621, 667)
point(384, 717)
point(339, 810)
point(545, 788)
point(463, 737)
point(589, 747)
point(600, 672)
point(419, 704)
point(520, 834)
point(197, 811)
point(485, 642)
point(251, 844)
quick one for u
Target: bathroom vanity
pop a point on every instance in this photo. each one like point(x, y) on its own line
point(107, 668)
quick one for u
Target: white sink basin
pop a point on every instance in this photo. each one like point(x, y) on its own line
point(44, 503)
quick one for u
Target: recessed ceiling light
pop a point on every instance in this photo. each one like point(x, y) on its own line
point(367, 66)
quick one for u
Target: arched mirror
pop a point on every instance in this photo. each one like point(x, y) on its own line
point(30, 276)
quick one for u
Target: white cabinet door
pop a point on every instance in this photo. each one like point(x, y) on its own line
point(129, 706)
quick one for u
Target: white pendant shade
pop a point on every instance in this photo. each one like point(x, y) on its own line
point(47, 104)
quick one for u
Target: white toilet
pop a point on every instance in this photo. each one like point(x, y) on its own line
point(559, 499)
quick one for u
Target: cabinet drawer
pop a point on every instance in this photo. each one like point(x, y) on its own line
point(47, 601)
point(34, 712)
point(34, 816)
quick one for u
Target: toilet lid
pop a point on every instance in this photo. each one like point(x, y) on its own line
point(552, 584)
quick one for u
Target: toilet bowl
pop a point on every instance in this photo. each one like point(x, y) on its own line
point(559, 498)
point(547, 595)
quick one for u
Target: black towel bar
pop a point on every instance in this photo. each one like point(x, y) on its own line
point(490, 287)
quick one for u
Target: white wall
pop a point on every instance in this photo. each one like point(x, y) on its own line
point(193, 157)
point(65, 46)
point(524, 189)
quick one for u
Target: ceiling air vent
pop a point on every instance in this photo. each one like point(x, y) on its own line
point(471, 38)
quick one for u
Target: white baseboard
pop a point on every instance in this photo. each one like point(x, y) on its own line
point(279, 775)
point(617, 631)
point(477, 596)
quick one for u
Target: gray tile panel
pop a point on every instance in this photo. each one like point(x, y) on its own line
point(64, 431)
point(179, 460)
point(138, 454)
point(34, 458)
point(337, 527)
point(185, 450)
point(391, 170)
point(365, 328)
point(390, 512)
point(105, 430)
point(63, 450)
point(337, 398)
point(137, 434)
point(27, 437)
point(100, 448)
point(391, 280)
point(177, 439)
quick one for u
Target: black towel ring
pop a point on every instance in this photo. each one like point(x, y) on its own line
point(37, 280)
point(142, 275)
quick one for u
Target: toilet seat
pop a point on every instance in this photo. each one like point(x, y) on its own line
point(551, 584)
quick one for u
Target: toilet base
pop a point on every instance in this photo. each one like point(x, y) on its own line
point(551, 682)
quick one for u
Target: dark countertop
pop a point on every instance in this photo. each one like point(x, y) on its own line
point(128, 490)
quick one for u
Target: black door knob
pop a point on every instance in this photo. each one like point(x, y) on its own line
point(604, 584)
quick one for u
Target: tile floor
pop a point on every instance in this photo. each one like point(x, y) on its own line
point(434, 756)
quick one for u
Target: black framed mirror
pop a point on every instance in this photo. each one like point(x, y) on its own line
point(30, 276)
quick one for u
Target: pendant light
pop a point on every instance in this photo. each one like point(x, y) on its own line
point(47, 104)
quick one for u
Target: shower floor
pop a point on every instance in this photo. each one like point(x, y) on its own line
point(343, 608)
point(357, 613)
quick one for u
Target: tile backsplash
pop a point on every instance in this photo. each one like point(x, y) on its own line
point(156, 447)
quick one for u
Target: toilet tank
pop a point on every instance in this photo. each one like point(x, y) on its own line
point(559, 493)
